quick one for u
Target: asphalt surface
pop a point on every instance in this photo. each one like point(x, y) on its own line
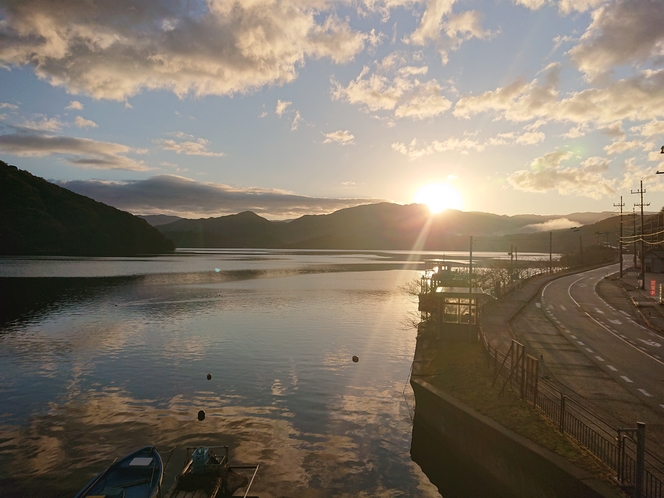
point(600, 341)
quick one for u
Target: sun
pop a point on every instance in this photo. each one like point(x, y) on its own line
point(438, 197)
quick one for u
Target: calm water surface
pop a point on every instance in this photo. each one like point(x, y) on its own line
point(100, 356)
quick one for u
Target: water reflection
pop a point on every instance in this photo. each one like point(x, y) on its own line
point(109, 364)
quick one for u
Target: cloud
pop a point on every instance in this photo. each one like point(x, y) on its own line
point(281, 107)
point(296, 121)
point(548, 174)
point(444, 29)
point(77, 151)
point(637, 98)
point(413, 151)
point(75, 105)
point(7, 105)
point(343, 137)
point(621, 32)
point(547, 226)
point(189, 147)
point(114, 50)
point(44, 124)
point(84, 123)
point(175, 195)
point(403, 93)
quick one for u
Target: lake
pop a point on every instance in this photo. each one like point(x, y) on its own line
point(100, 356)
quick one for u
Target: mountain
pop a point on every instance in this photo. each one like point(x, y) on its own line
point(159, 219)
point(40, 218)
point(389, 227)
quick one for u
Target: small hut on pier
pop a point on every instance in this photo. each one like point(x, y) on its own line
point(451, 311)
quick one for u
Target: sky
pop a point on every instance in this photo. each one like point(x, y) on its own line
point(201, 108)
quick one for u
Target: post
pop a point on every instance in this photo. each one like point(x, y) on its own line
point(640, 458)
point(621, 235)
point(562, 413)
point(550, 253)
point(643, 242)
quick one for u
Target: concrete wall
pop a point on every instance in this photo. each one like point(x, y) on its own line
point(525, 468)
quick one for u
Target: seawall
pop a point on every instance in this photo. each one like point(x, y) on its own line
point(521, 466)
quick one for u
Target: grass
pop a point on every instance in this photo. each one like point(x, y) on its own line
point(460, 370)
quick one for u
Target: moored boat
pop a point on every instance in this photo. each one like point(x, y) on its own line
point(208, 474)
point(138, 475)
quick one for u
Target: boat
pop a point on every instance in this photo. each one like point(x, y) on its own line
point(138, 475)
point(208, 474)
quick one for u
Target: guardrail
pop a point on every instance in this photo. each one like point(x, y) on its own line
point(622, 449)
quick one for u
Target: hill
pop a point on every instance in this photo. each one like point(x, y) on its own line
point(40, 218)
point(392, 226)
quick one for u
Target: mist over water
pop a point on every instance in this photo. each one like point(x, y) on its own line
point(111, 354)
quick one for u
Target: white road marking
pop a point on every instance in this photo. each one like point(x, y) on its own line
point(599, 358)
point(582, 344)
point(573, 337)
point(624, 312)
point(538, 305)
point(563, 308)
point(651, 343)
point(616, 322)
point(610, 367)
point(662, 406)
point(550, 306)
point(645, 393)
point(657, 356)
point(589, 350)
point(626, 379)
point(599, 311)
point(583, 285)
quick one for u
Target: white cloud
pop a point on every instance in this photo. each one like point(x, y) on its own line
point(196, 147)
point(43, 124)
point(84, 123)
point(175, 195)
point(622, 32)
point(637, 98)
point(75, 105)
point(77, 151)
point(281, 107)
point(112, 50)
point(446, 30)
point(7, 105)
point(343, 137)
point(414, 151)
point(548, 174)
point(296, 121)
point(404, 94)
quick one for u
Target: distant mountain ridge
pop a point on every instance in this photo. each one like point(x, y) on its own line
point(373, 226)
point(40, 218)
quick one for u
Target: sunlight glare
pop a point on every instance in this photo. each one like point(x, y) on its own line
point(438, 197)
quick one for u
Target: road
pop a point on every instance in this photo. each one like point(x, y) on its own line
point(597, 351)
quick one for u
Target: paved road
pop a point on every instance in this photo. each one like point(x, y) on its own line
point(597, 351)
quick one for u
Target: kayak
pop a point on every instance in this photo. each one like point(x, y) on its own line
point(138, 475)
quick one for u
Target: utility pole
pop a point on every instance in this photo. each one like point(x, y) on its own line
point(643, 243)
point(621, 235)
point(550, 253)
point(634, 233)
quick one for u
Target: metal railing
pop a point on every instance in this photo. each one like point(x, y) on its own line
point(622, 449)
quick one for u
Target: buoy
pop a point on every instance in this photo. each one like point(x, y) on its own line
point(209, 376)
point(356, 359)
point(217, 270)
point(201, 415)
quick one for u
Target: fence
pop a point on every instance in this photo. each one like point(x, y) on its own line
point(622, 449)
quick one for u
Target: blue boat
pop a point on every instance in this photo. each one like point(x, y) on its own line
point(138, 475)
